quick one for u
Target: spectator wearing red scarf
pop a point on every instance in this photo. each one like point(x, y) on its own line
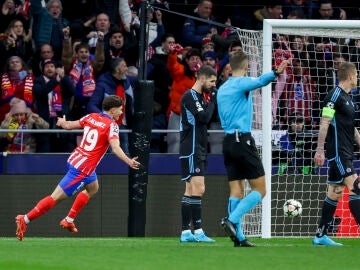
point(53, 92)
point(15, 82)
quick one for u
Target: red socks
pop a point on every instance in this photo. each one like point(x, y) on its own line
point(79, 203)
point(48, 202)
point(41, 208)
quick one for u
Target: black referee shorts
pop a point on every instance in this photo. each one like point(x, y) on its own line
point(241, 157)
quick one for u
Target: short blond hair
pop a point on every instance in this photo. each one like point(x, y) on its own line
point(345, 69)
point(238, 60)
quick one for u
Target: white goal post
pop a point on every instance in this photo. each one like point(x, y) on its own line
point(344, 29)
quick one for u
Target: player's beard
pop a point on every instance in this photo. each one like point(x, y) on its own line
point(206, 90)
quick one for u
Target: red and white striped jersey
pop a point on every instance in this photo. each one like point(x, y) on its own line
point(99, 129)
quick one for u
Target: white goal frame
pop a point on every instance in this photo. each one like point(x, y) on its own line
point(287, 26)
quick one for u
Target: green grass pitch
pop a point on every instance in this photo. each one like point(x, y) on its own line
point(167, 253)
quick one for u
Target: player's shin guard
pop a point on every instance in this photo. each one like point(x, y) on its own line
point(327, 214)
point(354, 206)
point(41, 208)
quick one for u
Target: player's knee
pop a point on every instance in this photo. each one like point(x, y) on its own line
point(356, 188)
point(199, 190)
point(335, 192)
point(92, 189)
point(261, 190)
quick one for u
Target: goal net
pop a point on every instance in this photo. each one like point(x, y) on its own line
point(314, 48)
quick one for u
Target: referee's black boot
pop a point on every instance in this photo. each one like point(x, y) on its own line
point(243, 243)
point(229, 228)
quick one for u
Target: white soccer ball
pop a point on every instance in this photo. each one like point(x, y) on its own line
point(292, 208)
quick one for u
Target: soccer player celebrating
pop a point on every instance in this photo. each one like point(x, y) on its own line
point(241, 158)
point(337, 129)
point(100, 131)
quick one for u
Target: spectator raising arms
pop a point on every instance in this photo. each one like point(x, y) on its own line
point(102, 25)
point(53, 92)
point(14, 10)
point(18, 42)
point(48, 25)
point(183, 76)
point(158, 72)
point(82, 73)
point(121, 44)
point(299, 92)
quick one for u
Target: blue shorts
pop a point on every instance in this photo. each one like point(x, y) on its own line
point(75, 180)
point(194, 165)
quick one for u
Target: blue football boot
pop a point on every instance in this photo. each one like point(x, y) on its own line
point(187, 237)
point(201, 237)
point(324, 241)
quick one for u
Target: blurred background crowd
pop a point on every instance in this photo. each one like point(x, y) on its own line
point(63, 57)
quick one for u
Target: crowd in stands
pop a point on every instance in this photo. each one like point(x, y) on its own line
point(63, 57)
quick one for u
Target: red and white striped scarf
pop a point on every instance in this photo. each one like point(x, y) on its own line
point(8, 89)
point(87, 72)
point(55, 101)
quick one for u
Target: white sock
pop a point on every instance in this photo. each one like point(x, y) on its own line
point(70, 220)
point(26, 219)
point(186, 231)
point(199, 231)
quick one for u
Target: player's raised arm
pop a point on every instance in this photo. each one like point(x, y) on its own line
point(61, 122)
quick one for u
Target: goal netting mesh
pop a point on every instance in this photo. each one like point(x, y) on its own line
point(314, 49)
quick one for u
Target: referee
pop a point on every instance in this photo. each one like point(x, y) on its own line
point(241, 158)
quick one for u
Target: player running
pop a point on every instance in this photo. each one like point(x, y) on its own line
point(100, 131)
